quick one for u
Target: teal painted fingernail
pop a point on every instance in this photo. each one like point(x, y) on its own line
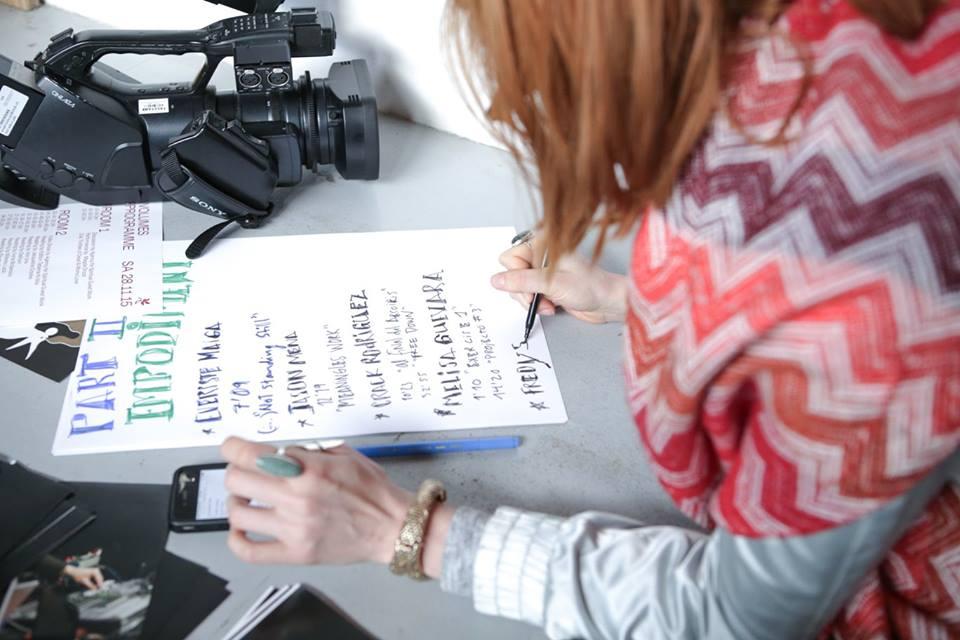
point(279, 465)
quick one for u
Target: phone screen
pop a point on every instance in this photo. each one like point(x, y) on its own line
point(211, 495)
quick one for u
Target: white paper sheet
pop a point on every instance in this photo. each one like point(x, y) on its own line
point(276, 338)
point(79, 261)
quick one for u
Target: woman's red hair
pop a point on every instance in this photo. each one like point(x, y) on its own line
point(603, 101)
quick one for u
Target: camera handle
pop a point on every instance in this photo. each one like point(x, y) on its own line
point(70, 56)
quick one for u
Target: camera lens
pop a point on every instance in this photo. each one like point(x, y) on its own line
point(312, 123)
point(250, 79)
point(341, 129)
point(278, 78)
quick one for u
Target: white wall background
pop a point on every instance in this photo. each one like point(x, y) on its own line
point(401, 42)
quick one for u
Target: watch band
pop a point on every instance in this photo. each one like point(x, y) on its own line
point(408, 548)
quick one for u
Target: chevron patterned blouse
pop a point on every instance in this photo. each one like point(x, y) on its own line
point(794, 325)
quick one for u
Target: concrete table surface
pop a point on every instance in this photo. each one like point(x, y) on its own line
point(428, 180)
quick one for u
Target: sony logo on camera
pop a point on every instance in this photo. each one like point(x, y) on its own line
point(209, 207)
point(64, 99)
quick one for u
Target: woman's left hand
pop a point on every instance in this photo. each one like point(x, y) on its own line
point(91, 579)
point(342, 509)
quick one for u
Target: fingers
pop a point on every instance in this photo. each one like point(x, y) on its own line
point(253, 519)
point(304, 457)
point(518, 257)
point(260, 552)
point(90, 579)
point(243, 453)
point(526, 281)
point(521, 258)
point(522, 285)
point(546, 307)
point(256, 486)
point(523, 298)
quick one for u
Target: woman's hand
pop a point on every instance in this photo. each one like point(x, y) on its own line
point(90, 578)
point(342, 509)
point(584, 290)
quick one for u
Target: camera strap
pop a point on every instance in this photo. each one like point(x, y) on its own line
point(183, 186)
point(199, 244)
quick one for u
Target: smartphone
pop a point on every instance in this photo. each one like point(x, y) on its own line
point(198, 499)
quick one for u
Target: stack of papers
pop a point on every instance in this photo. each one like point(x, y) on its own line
point(295, 612)
point(176, 610)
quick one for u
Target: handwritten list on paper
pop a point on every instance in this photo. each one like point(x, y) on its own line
point(79, 260)
point(277, 338)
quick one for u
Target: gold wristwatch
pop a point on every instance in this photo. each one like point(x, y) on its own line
point(408, 548)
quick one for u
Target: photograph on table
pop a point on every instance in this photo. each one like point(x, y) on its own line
point(97, 584)
point(47, 348)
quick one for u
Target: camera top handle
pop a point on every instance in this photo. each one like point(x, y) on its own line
point(71, 56)
point(250, 6)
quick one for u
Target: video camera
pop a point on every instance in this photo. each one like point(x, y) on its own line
point(74, 126)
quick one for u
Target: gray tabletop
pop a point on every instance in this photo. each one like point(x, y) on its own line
point(428, 180)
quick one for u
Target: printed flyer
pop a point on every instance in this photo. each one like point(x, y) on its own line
point(79, 261)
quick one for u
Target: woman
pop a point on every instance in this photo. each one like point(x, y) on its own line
point(792, 170)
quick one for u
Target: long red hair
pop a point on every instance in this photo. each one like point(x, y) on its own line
point(603, 101)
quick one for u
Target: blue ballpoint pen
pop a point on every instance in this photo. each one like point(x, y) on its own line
point(281, 464)
point(435, 447)
point(422, 448)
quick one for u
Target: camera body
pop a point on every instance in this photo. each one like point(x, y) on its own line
point(73, 126)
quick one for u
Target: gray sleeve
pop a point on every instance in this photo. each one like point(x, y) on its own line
point(602, 576)
point(463, 540)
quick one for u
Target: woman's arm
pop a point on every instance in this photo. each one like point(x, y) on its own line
point(593, 575)
point(602, 576)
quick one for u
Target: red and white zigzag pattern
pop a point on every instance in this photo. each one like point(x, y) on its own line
point(794, 326)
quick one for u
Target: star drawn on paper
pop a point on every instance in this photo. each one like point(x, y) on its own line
point(143, 301)
point(539, 406)
point(443, 412)
point(304, 422)
point(380, 416)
